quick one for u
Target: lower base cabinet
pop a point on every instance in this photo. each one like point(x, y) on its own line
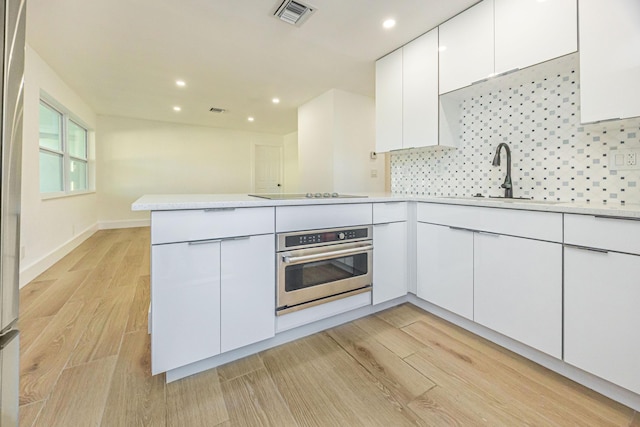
point(210, 297)
point(445, 267)
point(247, 295)
point(389, 261)
point(518, 289)
point(185, 301)
point(601, 314)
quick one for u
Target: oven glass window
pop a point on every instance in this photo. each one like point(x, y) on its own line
point(315, 273)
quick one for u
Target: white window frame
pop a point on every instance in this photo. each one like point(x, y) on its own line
point(67, 158)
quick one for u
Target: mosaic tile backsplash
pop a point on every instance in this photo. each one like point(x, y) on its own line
point(537, 113)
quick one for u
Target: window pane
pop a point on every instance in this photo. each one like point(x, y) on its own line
point(50, 128)
point(78, 175)
point(50, 172)
point(77, 140)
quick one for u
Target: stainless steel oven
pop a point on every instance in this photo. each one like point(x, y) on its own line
point(319, 266)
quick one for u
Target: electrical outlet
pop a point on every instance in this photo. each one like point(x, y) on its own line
point(626, 159)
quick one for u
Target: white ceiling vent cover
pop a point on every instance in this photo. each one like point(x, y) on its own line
point(293, 12)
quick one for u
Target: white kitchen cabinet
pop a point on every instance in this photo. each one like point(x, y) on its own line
point(389, 261)
point(216, 291)
point(247, 291)
point(467, 47)
point(601, 315)
point(389, 102)
point(209, 297)
point(496, 267)
point(216, 223)
point(295, 218)
point(420, 91)
point(445, 267)
point(408, 118)
point(496, 36)
point(185, 300)
point(609, 61)
point(529, 32)
point(518, 289)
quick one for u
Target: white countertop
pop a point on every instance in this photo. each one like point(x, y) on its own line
point(163, 202)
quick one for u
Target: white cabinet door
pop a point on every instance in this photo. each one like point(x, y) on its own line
point(185, 296)
point(609, 59)
point(601, 316)
point(247, 291)
point(389, 102)
point(420, 91)
point(466, 47)
point(528, 32)
point(445, 268)
point(518, 289)
point(389, 261)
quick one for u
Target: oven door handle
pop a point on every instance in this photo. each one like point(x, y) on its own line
point(325, 255)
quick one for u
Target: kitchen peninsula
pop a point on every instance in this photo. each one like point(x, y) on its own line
point(536, 277)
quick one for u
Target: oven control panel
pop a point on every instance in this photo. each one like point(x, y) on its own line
point(325, 236)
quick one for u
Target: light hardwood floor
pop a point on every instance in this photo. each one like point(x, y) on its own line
point(85, 361)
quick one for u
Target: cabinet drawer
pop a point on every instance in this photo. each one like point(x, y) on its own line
point(203, 224)
point(293, 218)
point(389, 212)
point(530, 224)
point(622, 235)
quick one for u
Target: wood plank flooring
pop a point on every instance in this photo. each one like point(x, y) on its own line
point(85, 361)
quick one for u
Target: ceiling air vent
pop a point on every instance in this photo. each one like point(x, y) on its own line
point(293, 12)
point(217, 110)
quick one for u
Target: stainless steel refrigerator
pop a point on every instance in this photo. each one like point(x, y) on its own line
point(12, 78)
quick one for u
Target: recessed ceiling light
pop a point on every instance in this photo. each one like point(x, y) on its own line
point(250, 119)
point(276, 100)
point(176, 108)
point(180, 83)
point(389, 23)
point(442, 48)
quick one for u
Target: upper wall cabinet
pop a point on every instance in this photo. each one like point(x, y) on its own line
point(420, 91)
point(609, 59)
point(407, 95)
point(497, 36)
point(466, 47)
point(389, 102)
point(528, 32)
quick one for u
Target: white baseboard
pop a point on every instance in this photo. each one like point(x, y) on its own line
point(30, 272)
point(125, 223)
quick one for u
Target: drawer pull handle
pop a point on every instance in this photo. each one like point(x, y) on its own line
point(624, 218)
point(219, 209)
point(236, 238)
point(487, 233)
point(461, 229)
point(204, 242)
point(586, 248)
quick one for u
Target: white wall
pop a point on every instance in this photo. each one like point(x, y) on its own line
point(137, 157)
point(49, 228)
point(336, 133)
point(291, 177)
point(355, 139)
point(315, 144)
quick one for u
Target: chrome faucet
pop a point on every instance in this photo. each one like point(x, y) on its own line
point(507, 185)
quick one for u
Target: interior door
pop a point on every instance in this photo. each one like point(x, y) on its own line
point(268, 169)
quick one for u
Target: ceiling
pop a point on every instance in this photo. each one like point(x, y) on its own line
point(124, 56)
